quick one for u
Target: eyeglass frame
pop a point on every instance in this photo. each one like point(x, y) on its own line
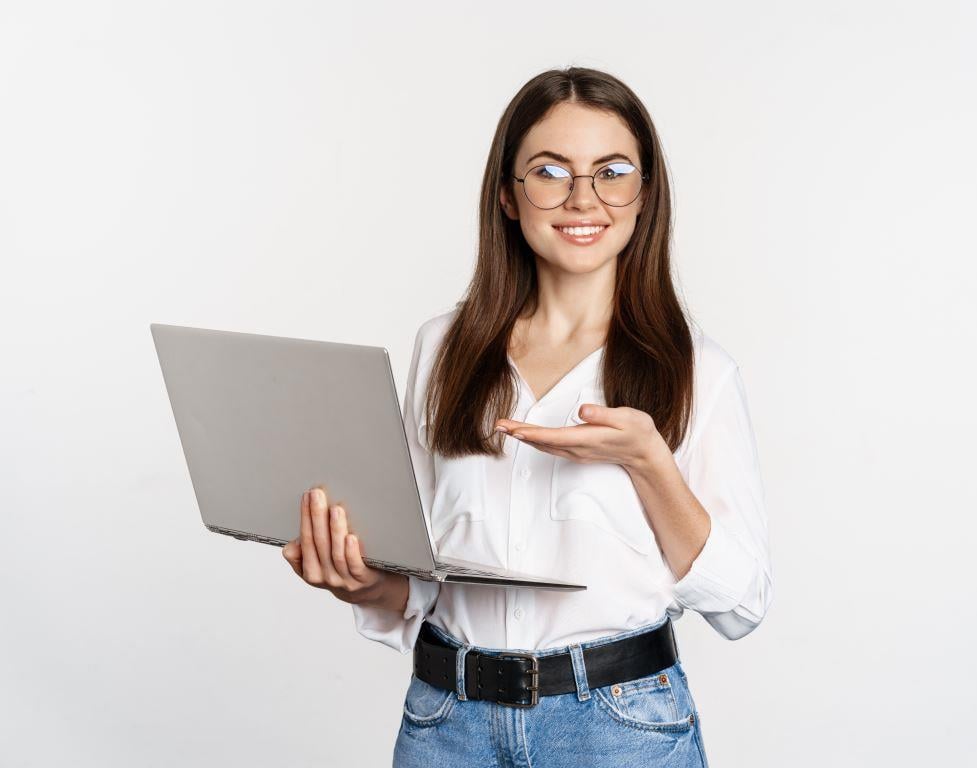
point(645, 177)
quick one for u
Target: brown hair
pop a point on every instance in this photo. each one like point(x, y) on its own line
point(648, 357)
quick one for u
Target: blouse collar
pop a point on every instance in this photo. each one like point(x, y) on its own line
point(581, 373)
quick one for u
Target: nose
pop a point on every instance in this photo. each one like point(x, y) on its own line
point(582, 195)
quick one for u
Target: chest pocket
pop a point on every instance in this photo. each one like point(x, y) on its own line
point(601, 494)
point(459, 495)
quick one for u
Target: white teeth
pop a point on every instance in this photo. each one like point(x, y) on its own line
point(581, 231)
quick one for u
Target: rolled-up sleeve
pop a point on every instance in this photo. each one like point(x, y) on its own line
point(392, 628)
point(730, 582)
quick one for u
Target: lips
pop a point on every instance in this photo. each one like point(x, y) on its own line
point(583, 239)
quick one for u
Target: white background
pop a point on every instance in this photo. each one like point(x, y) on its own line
point(213, 164)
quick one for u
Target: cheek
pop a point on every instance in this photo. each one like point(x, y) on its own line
point(624, 230)
point(535, 228)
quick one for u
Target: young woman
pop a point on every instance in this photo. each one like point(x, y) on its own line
point(565, 419)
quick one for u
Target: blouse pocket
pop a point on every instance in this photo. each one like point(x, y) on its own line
point(459, 494)
point(600, 493)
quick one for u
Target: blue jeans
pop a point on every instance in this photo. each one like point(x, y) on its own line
point(651, 721)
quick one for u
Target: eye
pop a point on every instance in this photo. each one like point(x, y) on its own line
point(615, 170)
point(548, 172)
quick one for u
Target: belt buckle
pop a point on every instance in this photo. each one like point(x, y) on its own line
point(533, 689)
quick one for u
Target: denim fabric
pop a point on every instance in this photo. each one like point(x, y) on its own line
point(651, 721)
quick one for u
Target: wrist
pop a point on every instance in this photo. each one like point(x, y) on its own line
point(390, 592)
point(655, 461)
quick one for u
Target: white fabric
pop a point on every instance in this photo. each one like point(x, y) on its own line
point(534, 512)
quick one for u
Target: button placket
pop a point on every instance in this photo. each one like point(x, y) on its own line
point(521, 492)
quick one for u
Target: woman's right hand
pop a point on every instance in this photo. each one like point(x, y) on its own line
point(327, 555)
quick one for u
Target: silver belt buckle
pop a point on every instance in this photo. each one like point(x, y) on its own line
point(534, 688)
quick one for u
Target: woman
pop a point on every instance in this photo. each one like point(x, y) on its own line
point(565, 419)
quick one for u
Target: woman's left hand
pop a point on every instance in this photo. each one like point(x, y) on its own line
point(625, 436)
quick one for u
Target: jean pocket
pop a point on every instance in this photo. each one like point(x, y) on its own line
point(686, 691)
point(648, 703)
point(426, 705)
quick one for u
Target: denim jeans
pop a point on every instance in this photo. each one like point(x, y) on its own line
point(651, 721)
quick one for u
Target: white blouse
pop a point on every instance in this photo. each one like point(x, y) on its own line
point(535, 512)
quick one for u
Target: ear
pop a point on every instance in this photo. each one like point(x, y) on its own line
point(505, 199)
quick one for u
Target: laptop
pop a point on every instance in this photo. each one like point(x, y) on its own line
point(261, 419)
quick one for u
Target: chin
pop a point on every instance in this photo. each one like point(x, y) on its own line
point(582, 264)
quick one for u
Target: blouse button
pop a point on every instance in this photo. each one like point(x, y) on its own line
point(517, 613)
point(518, 546)
point(525, 472)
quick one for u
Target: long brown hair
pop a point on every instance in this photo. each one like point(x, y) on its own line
point(648, 356)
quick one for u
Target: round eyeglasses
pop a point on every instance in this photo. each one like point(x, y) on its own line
point(550, 186)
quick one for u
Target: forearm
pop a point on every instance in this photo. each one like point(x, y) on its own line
point(680, 523)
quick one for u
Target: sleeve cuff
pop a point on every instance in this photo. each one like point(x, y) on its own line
point(398, 631)
point(719, 577)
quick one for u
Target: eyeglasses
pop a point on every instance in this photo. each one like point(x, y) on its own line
point(550, 186)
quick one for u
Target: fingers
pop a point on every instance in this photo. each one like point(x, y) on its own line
point(338, 530)
point(311, 567)
point(320, 544)
point(354, 559)
point(326, 553)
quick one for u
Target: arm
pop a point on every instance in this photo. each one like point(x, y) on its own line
point(713, 528)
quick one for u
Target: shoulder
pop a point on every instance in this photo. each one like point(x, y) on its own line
point(714, 369)
point(713, 363)
point(433, 330)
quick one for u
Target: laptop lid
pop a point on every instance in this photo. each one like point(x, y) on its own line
point(263, 418)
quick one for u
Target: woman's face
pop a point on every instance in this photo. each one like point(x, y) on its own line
point(585, 137)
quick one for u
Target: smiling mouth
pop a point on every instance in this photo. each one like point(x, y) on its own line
point(582, 231)
point(582, 235)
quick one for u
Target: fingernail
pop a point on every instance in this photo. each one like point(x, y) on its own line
point(518, 437)
point(334, 513)
point(500, 428)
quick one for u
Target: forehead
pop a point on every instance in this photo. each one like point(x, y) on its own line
point(580, 133)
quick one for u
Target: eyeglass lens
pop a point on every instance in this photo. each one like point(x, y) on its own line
point(548, 186)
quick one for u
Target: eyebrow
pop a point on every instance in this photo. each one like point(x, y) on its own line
point(598, 161)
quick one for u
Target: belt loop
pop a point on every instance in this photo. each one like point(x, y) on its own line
point(579, 672)
point(462, 652)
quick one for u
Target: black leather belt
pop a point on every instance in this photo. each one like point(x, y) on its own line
point(518, 679)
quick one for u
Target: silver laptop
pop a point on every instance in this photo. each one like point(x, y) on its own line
point(264, 418)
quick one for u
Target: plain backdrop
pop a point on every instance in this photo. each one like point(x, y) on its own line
point(313, 170)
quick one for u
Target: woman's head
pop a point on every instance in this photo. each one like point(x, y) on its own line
point(583, 119)
point(570, 142)
point(573, 123)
